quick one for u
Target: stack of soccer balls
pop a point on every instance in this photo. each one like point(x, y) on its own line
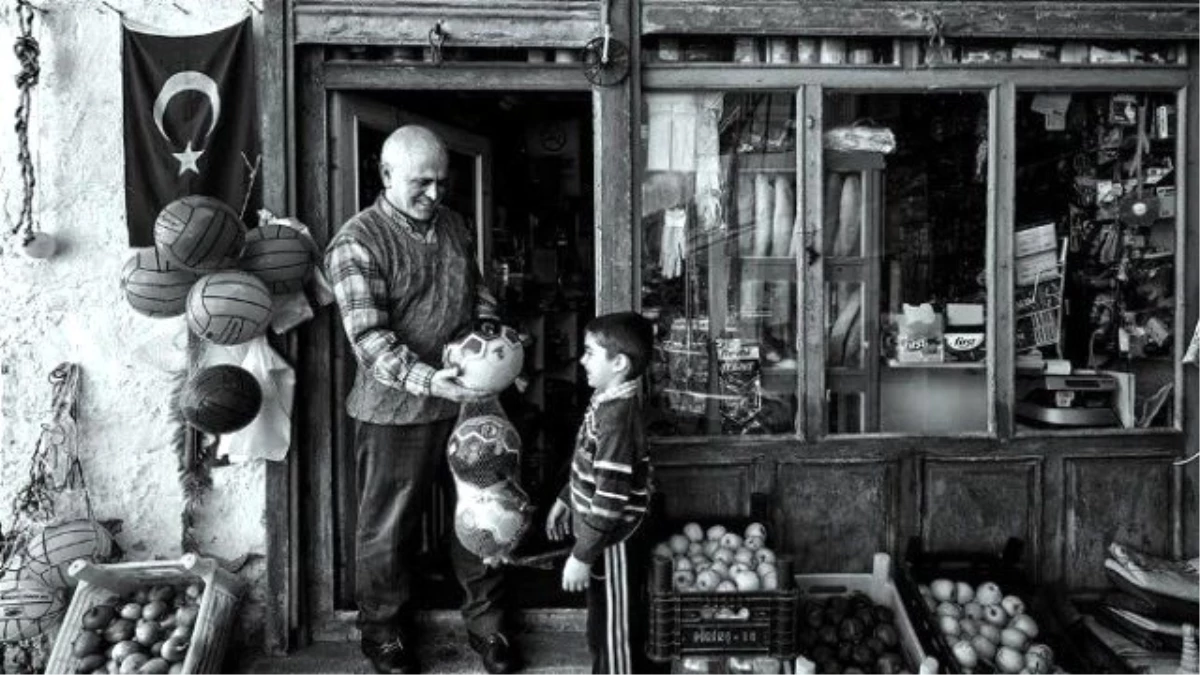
point(206, 264)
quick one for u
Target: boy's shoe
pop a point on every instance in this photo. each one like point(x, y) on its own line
point(391, 656)
point(498, 653)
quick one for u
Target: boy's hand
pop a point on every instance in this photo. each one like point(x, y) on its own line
point(445, 384)
point(558, 523)
point(575, 575)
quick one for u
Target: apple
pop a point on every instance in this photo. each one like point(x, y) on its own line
point(721, 568)
point(991, 632)
point(1036, 663)
point(965, 654)
point(682, 563)
point(701, 565)
point(949, 609)
point(98, 617)
point(727, 586)
point(745, 555)
point(963, 593)
point(131, 611)
point(988, 593)
point(1011, 637)
point(1013, 605)
point(678, 544)
point(707, 580)
point(693, 532)
point(716, 532)
point(1025, 624)
point(1009, 660)
point(155, 665)
point(968, 627)
point(119, 630)
point(1042, 649)
point(765, 555)
point(154, 610)
point(711, 547)
point(948, 625)
point(994, 614)
point(738, 568)
point(770, 581)
point(942, 589)
point(663, 550)
point(754, 543)
point(731, 541)
point(175, 649)
point(147, 632)
point(747, 581)
point(724, 555)
point(756, 530)
point(973, 610)
point(679, 578)
point(764, 569)
point(695, 549)
point(984, 648)
point(134, 662)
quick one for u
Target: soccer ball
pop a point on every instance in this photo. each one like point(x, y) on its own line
point(484, 450)
point(489, 358)
point(491, 522)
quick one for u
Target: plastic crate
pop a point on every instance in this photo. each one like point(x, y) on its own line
point(880, 585)
point(759, 622)
point(102, 583)
point(975, 567)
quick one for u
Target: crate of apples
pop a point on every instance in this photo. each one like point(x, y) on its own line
point(985, 629)
point(147, 631)
point(720, 559)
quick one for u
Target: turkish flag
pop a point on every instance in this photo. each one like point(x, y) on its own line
point(191, 122)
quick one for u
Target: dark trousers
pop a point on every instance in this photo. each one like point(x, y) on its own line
point(617, 606)
point(397, 467)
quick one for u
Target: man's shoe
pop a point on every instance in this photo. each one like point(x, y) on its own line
point(497, 652)
point(390, 657)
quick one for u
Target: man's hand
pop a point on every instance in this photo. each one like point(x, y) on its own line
point(558, 523)
point(445, 384)
point(575, 575)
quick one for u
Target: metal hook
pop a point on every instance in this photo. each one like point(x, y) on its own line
point(114, 10)
point(437, 38)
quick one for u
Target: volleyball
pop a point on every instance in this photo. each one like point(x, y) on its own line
point(50, 552)
point(27, 607)
point(199, 233)
point(489, 358)
point(155, 287)
point(229, 307)
point(280, 256)
point(221, 399)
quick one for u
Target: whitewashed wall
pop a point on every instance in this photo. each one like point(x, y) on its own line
point(70, 306)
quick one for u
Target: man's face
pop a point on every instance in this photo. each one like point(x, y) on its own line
point(415, 182)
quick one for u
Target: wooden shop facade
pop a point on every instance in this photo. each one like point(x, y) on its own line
point(919, 269)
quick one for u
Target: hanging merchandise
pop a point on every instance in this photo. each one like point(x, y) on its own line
point(229, 307)
point(34, 242)
point(199, 233)
point(155, 287)
point(221, 399)
point(269, 435)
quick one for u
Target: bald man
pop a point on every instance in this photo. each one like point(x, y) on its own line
point(404, 275)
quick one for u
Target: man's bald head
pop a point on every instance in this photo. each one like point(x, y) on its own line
point(414, 166)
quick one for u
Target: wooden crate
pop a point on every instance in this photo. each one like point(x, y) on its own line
point(104, 583)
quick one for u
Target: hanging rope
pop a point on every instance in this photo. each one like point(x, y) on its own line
point(27, 51)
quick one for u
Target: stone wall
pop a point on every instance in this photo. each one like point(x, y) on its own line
point(70, 307)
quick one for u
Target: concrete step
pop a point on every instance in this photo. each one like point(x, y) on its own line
point(551, 642)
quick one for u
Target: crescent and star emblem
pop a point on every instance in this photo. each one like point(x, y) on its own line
point(188, 80)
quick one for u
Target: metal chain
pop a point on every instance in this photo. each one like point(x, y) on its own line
point(27, 51)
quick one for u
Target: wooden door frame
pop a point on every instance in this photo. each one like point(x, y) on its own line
point(313, 617)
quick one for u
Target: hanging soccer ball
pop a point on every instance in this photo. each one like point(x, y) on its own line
point(27, 607)
point(491, 522)
point(199, 233)
point(229, 307)
point(489, 358)
point(279, 256)
point(50, 552)
point(484, 450)
point(155, 287)
point(221, 399)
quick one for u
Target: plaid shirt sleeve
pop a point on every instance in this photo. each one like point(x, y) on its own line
point(362, 298)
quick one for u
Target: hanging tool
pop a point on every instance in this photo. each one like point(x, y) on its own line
point(605, 59)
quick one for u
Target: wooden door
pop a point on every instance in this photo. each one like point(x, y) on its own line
point(358, 127)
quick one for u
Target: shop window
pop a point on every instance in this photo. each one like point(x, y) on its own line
point(1094, 260)
point(905, 251)
point(781, 49)
point(719, 264)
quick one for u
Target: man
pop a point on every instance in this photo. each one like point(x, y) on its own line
point(405, 279)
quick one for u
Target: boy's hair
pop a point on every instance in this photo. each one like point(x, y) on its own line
point(627, 333)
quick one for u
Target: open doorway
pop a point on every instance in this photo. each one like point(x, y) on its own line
point(521, 173)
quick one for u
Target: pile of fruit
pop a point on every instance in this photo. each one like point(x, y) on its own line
point(986, 630)
point(148, 631)
point(719, 560)
point(850, 634)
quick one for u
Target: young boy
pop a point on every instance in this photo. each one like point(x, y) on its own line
point(605, 501)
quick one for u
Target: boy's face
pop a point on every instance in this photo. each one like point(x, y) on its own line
point(602, 371)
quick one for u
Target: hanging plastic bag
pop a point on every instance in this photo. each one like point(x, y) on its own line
point(270, 434)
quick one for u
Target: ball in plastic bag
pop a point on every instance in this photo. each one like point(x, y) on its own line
point(489, 358)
